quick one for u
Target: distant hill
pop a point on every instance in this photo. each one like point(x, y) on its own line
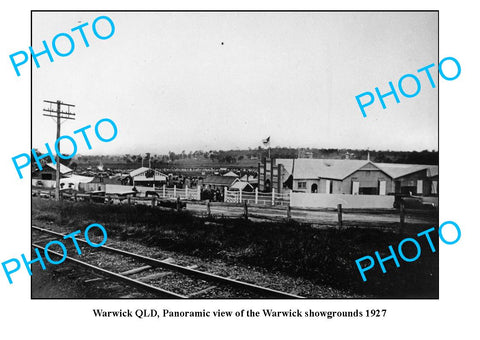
point(248, 158)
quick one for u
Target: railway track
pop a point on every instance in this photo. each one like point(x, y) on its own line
point(200, 283)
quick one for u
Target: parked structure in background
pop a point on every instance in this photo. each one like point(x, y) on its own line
point(252, 180)
point(47, 177)
point(215, 182)
point(147, 177)
point(48, 172)
point(242, 186)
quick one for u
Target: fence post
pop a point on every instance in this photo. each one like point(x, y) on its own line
point(128, 200)
point(245, 210)
point(240, 195)
point(199, 191)
point(402, 215)
point(163, 191)
point(153, 201)
point(179, 204)
point(289, 212)
point(75, 196)
point(175, 190)
point(256, 195)
point(186, 192)
point(273, 196)
point(339, 210)
point(209, 212)
point(225, 194)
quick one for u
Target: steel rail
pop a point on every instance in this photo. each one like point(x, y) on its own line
point(193, 272)
point(118, 277)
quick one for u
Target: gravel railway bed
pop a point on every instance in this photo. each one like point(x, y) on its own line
point(188, 283)
point(184, 284)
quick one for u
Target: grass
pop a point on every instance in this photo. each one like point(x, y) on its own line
point(326, 256)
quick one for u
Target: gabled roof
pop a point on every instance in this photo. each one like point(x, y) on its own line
point(220, 180)
point(230, 174)
point(63, 168)
point(432, 171)
point(142, 170)
point(239, 185)
point(306, 168)
point(138, 171)
point(396, 170)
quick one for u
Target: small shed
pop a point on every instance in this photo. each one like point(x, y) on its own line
point(49, 172)
point(243, 186)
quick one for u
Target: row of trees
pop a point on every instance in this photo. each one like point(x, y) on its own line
point(220, 156)
point(238, 156)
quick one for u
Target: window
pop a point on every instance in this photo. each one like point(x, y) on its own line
point(368, 191)
point(302, 185)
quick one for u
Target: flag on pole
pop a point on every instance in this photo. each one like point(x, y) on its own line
point(266, 141)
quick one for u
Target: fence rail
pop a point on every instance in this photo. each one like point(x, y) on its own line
point(186, 193)
point(232, 207)
point(256, 197)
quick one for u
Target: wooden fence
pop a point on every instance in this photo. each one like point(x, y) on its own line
point(248, 209)
point(256, 197)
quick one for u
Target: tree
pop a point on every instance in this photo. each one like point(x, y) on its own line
point(65, 162)
point(43, 161)
point(229, 159)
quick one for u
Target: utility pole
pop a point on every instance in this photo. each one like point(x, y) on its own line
point(59, 115)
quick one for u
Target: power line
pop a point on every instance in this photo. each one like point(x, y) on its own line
point(59, 115)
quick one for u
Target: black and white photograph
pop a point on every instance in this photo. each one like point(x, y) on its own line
point(239, 170)
point(235, 154)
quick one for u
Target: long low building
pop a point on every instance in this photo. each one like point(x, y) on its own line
point(347, 176)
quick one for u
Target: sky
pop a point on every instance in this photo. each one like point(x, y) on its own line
point(226, 80)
